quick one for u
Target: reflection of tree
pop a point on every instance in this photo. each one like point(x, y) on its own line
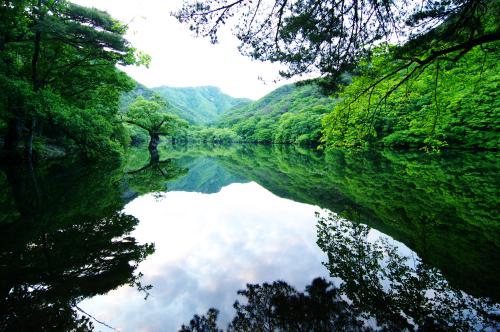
point(153, 176)
point(204, 323)
point(397, 291)
point(67, 241)
point(380, 290)
point(280, 307)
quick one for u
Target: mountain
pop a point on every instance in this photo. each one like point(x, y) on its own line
point(197, 105)
point(289, 114)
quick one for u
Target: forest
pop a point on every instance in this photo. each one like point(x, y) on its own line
point(63, 94)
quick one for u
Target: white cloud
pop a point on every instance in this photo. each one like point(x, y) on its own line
point(179, 59)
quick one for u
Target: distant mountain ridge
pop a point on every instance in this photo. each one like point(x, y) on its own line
point(198, 105)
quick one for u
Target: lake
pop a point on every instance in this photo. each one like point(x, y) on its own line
point(299, 239)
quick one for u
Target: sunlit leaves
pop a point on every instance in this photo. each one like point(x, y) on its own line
point(446, 104)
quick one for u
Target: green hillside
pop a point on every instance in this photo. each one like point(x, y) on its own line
point(197, 105)
point(290, 114)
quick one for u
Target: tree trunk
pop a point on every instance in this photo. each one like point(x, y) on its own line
point(29, 139)
point(153, 147)
point(13, 136)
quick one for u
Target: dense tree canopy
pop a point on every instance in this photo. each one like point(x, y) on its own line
point(447, 105)
point(290, 114)
point(58, 73)
point(330, 37)
point(379, 49)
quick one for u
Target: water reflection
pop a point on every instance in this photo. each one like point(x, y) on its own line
point(280, 307)
point(443, 206)
point(232, 216)
point(207, 247)
point(379, 289)
point(63, 238)
point(400, 292)
point(152, 177)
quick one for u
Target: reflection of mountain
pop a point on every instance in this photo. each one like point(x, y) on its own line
point(445, 207)
point(205, 175)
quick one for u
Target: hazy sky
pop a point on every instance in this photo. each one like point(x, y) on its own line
point(179, 59)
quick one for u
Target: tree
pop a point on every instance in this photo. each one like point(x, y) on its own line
point(329, 37)
point(446, 105)
point(53, 49)
point(151, 116)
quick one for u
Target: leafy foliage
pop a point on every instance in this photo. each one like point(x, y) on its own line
point(152, 116)
point(290, 114)
point(58, 75)
point(451, 105)
point(214, 135)
point(401, 293)
point(331, 37)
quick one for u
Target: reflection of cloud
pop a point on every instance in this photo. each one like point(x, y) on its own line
point(208, 247)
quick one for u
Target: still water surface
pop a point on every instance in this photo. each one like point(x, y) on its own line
point(413, 241)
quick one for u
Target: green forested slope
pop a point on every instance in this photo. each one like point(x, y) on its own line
point(448, 105)
point(290, 114)
point(197, 105)
point(204, 104)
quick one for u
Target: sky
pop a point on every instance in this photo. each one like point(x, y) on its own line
point(179, 59)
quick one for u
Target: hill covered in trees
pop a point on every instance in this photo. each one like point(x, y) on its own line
point(424, 76)
point(438, 88)
point(290, 114)
point(447, 106)
point(197, 105)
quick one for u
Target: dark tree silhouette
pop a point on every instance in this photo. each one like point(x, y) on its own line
point(398, 291)
point(280, 307)
point(59, 245)
point(330, 37)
